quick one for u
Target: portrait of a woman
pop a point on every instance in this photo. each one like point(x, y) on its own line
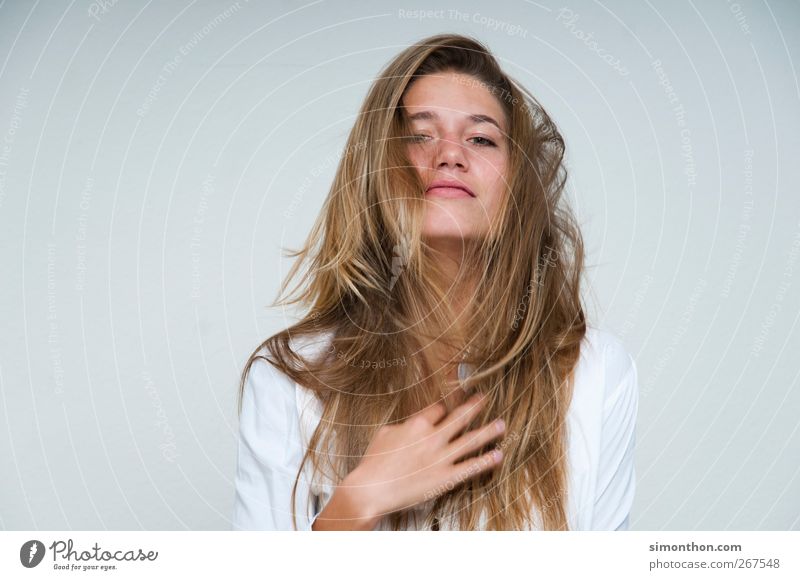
point(444, 375)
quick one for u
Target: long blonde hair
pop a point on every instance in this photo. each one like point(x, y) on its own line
point(369, 285)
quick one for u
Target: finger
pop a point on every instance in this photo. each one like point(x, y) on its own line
point(477, 465)
point(473, 440)
point(461, 416)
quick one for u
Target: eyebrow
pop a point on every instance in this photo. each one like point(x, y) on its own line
point(475, 118)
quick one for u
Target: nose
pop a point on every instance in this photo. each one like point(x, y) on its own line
point(450, 153)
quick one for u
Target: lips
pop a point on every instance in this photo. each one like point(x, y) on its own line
point(449, 188)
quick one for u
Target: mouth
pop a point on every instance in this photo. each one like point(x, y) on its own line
point(448, 189)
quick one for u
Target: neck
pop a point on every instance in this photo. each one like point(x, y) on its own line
point(449, 270)
point(448, 261)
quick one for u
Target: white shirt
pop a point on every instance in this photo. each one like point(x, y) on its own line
point(278, 417)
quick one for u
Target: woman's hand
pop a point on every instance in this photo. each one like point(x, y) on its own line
point(418, 459)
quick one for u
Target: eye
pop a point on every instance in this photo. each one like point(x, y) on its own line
point(484, 142)
point(418, 138)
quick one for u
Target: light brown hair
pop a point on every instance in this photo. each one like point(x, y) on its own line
point(368, 285)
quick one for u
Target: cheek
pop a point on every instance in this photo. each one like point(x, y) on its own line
point(416, 157)
point(494, 178)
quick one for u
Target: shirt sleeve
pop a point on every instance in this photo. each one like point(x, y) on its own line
point(616, 479)
point(270, 450)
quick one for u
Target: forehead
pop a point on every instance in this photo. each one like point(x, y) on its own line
point(452, 95)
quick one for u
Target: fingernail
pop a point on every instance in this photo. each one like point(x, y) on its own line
point(497, 455)
point(500, 424)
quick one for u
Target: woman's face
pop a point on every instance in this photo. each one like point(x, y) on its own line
point(459, 131)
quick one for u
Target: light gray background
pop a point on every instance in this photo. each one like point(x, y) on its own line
point(154, 157)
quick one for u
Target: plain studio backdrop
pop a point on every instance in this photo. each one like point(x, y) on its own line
point(155, 157)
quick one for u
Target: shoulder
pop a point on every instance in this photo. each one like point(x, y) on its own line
point(606, 383)
point(312, 345)
point(267, 391)
point(262, 370)
point(608, 361)
point(603, 346)
point(270, 390)
point(273, 403)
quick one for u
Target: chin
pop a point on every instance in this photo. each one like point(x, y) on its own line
point(448, 234)
point(445, 226)
point(444, 231)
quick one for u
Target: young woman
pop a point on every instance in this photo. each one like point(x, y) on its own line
point(444, 376)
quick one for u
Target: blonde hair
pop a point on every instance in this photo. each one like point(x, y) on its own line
point(368, 284)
